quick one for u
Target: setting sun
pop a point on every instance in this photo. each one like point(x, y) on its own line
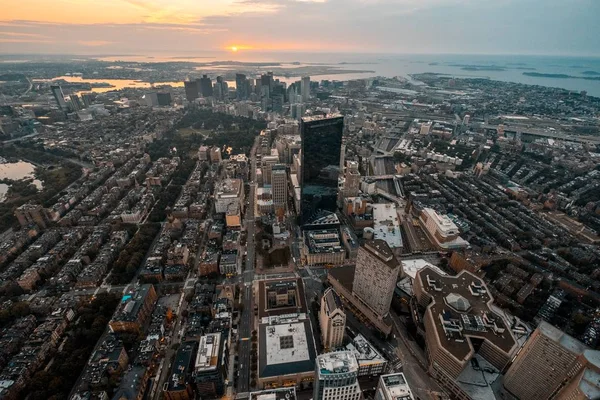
point(234, 48)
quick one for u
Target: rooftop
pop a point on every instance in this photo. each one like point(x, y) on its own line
point(412, 267)
point(275, 394)
point(337, 362)
point(364, 351)
point(380, 249)
point(395, 387)
point(461, 310)
point(294, 284)
point(332, 300)
point(208, 355)
point(181, 366)
point(286, 345)
point(386, 224)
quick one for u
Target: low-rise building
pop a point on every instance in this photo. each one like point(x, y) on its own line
point(286, 351)
point(210, 368)
point(136, 306)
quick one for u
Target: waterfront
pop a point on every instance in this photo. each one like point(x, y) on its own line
point(16, 171)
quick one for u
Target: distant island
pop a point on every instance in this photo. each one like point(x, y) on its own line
point(561, 76)
point(544, 75)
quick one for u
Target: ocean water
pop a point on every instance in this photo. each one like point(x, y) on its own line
point(510, 68)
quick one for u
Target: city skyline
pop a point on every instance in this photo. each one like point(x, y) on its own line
point(369, 26)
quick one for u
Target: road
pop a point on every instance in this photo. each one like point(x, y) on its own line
point(245, 327)
point(167, 361)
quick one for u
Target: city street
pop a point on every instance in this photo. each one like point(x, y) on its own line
point(245, 327)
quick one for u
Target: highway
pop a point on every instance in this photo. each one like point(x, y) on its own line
point(245, 326)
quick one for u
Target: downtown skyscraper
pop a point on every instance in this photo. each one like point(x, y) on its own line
point(320, 163)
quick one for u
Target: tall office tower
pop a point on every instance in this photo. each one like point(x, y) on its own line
point(332, 320)
point(266, 83)
point(163, 98)
point(305, 88)
point(241, 87)
point(87, 99)
point(76, 103)
point(351, 186)
point(221, 89)
point(393, 387)
point(59, 96)
point(206, 87)
point(336, 377)
point(375, 275)
point(550, 361)
point(320, 163)
point(151, 99)
point(277, 103)
point(192, 90)
point(279, 187)
point(298, 111)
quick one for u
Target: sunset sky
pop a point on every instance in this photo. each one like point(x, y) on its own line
point(387, 26)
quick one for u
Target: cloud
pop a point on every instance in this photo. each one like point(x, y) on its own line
point(13, 40)
point(4, 33)
point(94, 43)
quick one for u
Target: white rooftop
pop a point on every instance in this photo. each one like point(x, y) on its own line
point(208, 352)
point(286, 340)
point(337, 362)
point(364, 351)
point(386, 224)
point(395, 387)
point(412, 267)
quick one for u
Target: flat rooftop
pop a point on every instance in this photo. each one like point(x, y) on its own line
point(267, 285)
point(286, 345)
point(228, 188)
point(460, 308)
point(386, 224)
point(396, 387)
point(364, 351)
point(412, 267)
point(337, 362)
point(275, 394)
point(181, 366)
point(208, 355)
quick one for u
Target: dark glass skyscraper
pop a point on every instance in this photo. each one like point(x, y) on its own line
point(206, 87)
point(192, 90)
point(321, 151)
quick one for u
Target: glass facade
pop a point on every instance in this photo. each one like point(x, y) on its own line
point(321, 151)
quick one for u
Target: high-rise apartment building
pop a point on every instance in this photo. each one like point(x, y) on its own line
point(393, 387)
point(192, 90)
point(552, 364)
point(206, 87)
point(336, 377)
point(332, 320)
point(320, 163)
point(305, 88)
point(59, 96)
point(350, 185)
point(375, 275)
point(279, 186)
